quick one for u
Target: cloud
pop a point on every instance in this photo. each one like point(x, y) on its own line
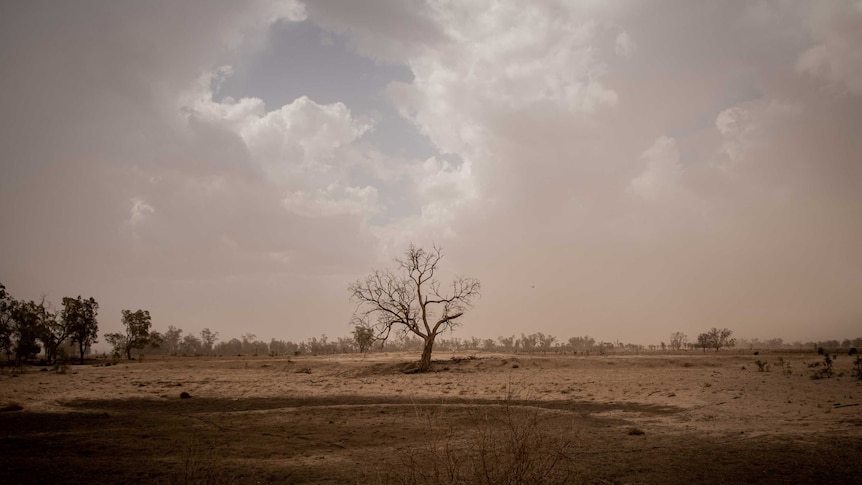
point(299, 146)
point(334, 200)
point(648, 166)
point(624, 45)
point(497, 58)
point(139, 211)
point(663, 170)
point(742, 126)
point(836, 57)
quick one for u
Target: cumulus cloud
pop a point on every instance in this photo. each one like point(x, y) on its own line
point(334, 200)
point(298, 146)
point(139, 211)
point(646, 166)
point(444, 188)
point(663, 170)
point(741, 126)
point(624, 45)
point(495, 58)
point(836, 57)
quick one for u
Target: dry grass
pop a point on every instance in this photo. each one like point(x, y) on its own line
point(357, 419)
point(503, 444)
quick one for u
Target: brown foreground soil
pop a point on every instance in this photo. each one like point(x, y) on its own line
point(492, 418)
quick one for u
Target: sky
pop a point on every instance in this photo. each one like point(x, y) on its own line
point(616, 169)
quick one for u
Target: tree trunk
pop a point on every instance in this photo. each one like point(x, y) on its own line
point(81, 349)
point(425, 363)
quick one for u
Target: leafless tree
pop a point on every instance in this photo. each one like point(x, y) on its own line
point(412, 301)
point(678, 340)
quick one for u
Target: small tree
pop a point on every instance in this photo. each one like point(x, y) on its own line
point(26, 320)
point(137, 334)
point(80, 315)
point(117, 341)
point(6, 304)
point(364, 338)
point(582, 344)
point(53, 331)
point(716, 338)
point(412, 302)
point(208, 340)
point(171, 340)
point(678, 340)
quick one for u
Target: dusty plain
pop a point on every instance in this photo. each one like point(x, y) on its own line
point(685, 418)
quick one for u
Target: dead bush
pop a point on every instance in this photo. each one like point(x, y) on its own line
point(857, 367)
point(822, 370)
point(198, 466)
point(506, 444)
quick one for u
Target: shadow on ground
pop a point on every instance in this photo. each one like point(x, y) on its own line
point(350, 439)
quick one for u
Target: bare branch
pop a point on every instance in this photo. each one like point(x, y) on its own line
point(413, 303)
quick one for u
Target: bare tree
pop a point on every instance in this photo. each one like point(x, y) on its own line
point(208, 340)
point(678, 340)
point(413, 301)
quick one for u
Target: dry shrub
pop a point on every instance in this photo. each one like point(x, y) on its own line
point(857, 366)
point(198, 466)
point(505, 444)
point(822, 370)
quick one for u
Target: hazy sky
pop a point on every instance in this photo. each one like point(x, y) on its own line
point(616, 169)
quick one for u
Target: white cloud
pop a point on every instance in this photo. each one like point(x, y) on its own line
point(836, 57)
point(302, 135)
point(741, 126)
point(735, 125)
point(496, 58)
point(663, 170)
point(444, 189)
point(139, 212)
point(624, 45)
point(299, 146)
point(333, 200)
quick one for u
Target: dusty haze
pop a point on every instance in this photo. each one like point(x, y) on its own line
point(617, 169)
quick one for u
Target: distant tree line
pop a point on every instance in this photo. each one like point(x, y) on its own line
point(28, 328)
point(31, 331)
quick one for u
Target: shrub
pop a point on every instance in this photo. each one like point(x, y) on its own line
point(512, 445)
point(785, 366)
point(762, 365)
point(198, 466)
point(857, 367)
point(822, 370)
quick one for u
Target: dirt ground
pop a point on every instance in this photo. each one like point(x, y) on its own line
point(493, 418)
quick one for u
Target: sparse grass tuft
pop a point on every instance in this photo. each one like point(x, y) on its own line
point(857, 367)
point(822, 370)
point(786, 369)
point(507, 445)
point(198, 466)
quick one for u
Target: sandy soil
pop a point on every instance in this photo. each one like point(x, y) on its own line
point(707, 418)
